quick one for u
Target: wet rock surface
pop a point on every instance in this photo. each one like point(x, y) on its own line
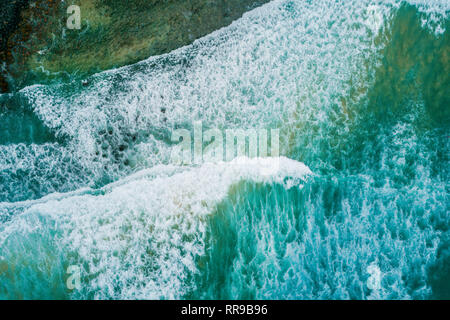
point(37, 46)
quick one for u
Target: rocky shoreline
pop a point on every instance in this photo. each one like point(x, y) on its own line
point(37, 47)
point(11, 17)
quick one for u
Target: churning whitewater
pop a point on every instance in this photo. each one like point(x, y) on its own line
point(358, 207)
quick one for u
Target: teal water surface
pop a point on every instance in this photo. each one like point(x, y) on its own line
point(359, 91)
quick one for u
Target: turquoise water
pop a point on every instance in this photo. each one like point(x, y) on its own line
point(359, 92)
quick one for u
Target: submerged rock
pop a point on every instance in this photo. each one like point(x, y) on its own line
point(41, 49)
point(10, 13)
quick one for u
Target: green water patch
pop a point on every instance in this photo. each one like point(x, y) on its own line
point(409, 89)
point(19, 124)
point(320, 241)
point(415, 67)
point(36, 264)
point(392, 142)
point(252, 228)
point(31, 155)
point(439, 272)
point(405, 120)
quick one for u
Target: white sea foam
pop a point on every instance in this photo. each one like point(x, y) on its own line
point(250, 74)
point(143, 234)
point(139, 237)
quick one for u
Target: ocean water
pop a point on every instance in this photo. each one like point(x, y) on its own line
point(359, 205)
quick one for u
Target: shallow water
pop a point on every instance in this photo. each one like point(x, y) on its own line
point(359, 92)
